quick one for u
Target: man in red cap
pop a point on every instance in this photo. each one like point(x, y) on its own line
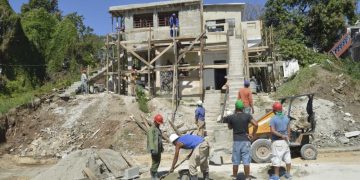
point(280, 130)
point(155, 145)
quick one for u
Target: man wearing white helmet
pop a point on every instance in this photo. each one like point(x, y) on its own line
point(200, 118)
point(198, 156)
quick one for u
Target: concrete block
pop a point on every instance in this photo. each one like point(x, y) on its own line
point(131, 173)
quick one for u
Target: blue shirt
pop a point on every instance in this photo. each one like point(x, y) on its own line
point(190, 141)
point(174, 21)
point(200, 113)
point(280, 123)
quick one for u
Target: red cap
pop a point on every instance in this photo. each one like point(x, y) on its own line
point(159, 119)
point(277, 107)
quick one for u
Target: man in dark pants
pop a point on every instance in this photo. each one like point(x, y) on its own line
point(155, 145)
point(239, 122)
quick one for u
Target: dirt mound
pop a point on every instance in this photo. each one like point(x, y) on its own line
point(59, 127)
point(336, 104)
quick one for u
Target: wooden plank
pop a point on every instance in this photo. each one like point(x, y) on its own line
point(136, 55)
point(88, 173)
point(190, 46)
point(158, 56)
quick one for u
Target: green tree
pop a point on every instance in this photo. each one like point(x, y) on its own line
point(62, 47)
point(317, 23)
point(50, 6)
point(38, 25)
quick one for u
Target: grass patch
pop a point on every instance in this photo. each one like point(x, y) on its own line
point(13, 100)
point(142, 99)
point(304, 78)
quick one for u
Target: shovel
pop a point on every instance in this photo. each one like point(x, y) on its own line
point(163, 176)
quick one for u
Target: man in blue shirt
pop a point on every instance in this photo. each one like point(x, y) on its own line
point(200, 119)
point(174, 25)
point(198, 156)
point(280, 130)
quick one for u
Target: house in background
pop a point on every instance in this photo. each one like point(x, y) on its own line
point(212, 46)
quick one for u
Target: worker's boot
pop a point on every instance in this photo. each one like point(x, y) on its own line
point(154, 176)
point(206, 176)
point(193, 177)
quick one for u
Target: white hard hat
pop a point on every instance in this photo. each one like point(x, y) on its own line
point(173, 137)
point(199, 103)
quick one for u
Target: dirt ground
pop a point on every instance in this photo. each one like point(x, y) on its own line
point(330, 166)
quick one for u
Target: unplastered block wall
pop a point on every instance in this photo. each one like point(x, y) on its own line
point(190, 84)
point(253, 29)
point(189, 23)
point(223, 12)
point(209, 59)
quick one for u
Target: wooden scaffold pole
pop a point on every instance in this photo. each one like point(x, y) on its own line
point(107, 63)
point(175, 80)
point(201, 64)
point(119, 81)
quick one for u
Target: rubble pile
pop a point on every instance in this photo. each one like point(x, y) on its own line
point(332, 123)
point(90, 163)
point(56, 127)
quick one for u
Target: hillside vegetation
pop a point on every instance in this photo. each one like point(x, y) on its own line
point(41, 48)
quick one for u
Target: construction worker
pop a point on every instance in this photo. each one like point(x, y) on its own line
point(280, 130)
point(155, 145)
point(239, 123)
point(174, 25)
point(198, 156)
point(245, 95)
point(132, 83)
point(84, 81)
point(200, 118)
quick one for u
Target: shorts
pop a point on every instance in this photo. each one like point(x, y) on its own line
point(280, 152)
point(247, 110)
point(241, 153)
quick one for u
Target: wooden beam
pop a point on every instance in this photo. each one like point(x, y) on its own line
point(190, 46)
point(136, 55)
point(158, 56)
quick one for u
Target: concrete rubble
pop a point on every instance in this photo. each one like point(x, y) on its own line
point(74, 164)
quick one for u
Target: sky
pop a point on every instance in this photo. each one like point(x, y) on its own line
point(96, 12)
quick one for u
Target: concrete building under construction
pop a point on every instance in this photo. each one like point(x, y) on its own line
point(212, 47)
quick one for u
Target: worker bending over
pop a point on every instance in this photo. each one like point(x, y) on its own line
point(198, 156)
point(245, 95)
point(280, 130)
point(239, 123)
point(155, 145)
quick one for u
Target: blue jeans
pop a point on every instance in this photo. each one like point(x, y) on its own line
point(241, 153)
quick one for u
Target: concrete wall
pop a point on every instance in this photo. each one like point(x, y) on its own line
point(190, 84)
point(209, 59)
point(189, 23)
point(253, 31)
point(221, 12)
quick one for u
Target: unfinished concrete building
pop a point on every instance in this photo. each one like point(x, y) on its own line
point(213, 47)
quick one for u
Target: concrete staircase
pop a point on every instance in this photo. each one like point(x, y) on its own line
point(235, 75)
point(74, 86)
point(217, 133)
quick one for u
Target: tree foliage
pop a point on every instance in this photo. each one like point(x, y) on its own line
point(40, 44)
point(39, 25)
point(317, 23)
